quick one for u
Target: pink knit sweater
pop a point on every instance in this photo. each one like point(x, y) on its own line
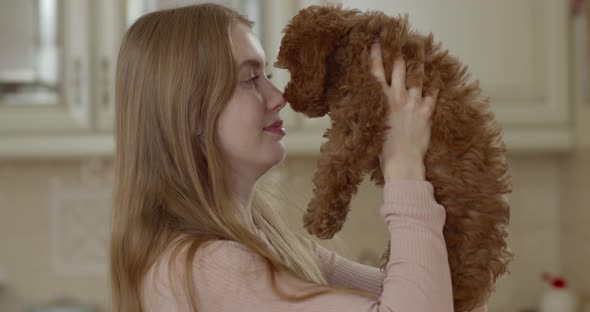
point(230, 277)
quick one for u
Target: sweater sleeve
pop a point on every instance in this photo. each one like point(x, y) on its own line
point(342, 272)
point(231, 277)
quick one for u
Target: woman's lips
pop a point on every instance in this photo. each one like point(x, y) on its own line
point(276, 127)
point(278, 123)
point(278, 130)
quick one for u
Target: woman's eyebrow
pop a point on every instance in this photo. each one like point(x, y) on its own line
point(253, 63)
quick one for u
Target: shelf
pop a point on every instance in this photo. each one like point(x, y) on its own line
point(56, 146)
point(525, 141)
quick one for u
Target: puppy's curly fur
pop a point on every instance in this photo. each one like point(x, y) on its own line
point(326, 50)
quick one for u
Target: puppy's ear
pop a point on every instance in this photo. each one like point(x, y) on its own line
point(309, 40)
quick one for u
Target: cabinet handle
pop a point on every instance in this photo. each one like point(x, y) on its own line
point(77, 82)
point(106, 83)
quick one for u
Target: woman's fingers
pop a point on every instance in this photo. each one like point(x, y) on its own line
point(377, 64)
point(398, 78)
point(430, 101)
point(416, 92)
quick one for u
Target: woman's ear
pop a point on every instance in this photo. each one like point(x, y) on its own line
point(309, 40)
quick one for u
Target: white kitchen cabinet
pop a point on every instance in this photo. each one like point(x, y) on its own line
point(78, 120)
point(67, 108)
point(518, 50)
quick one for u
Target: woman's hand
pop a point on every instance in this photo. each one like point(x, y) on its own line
point(409, 121)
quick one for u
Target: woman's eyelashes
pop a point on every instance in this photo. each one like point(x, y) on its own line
point(252, 81)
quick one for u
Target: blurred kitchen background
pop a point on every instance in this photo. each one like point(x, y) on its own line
point(57, 63)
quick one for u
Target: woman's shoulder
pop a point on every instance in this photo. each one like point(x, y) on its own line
point(212, 256)
point(211, 259)
point(225, 253)
point(217, 265)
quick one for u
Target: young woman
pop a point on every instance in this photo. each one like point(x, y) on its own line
point(197, 125)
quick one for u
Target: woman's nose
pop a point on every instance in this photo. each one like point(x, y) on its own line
point(277, 100)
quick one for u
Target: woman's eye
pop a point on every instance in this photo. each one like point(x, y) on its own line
point(252, 81)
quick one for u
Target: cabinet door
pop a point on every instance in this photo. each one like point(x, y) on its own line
point(518, 50)
point(108, 31)
point(45, 88)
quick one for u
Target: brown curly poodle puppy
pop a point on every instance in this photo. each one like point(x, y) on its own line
point(326, 50)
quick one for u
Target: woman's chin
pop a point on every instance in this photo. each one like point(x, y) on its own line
point(272, 152)
point(277, 155)
point(280, 154)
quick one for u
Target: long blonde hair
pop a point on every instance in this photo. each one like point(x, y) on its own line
point(176, 71)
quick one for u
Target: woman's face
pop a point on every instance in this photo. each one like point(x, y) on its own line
point(246, 141)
